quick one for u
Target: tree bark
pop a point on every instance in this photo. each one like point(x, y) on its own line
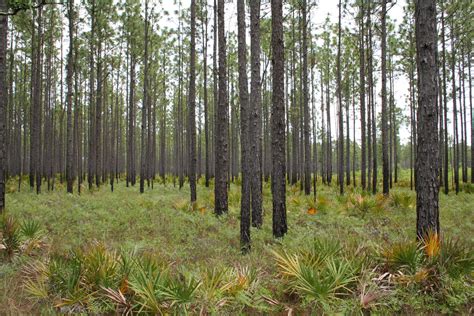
point(385, 139)
point(91, 152)
point(69, 96)
point(427, 186)
point(445, 107)
point(206, 101)
point(307, 144)
point(192, 105)
point(455, 111)
point(143, 142)
point(3, 101)
point(278, 122)
point(255, 116)
point(340, 143)
point(244, 130)
point(222, 121)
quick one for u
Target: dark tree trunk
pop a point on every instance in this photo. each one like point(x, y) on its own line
point(215, 92)
point(69, 75)
point(372, 105)
point(472, 119)
point(354, 134)
point(206, 101)
point(294, 114)
point(328, 121)
point(131, 123)
point(3, 101)
point(363, 161)
point(222, 121)
point(348, 139)
point(244, 130)
point(427, 186)
point(162, 128)
point(445, 108)
point(340, 143)
point(255, 116)
point(278, 122)
point(98, 116)
point(143, 142)
point(455, 111)
point(307, 128)
point(77, 140)
point(192, 105)
point(412, 126)
point(464, 113)
point(37, 106)
point(323, 133)
point(180, 129)
point(91, 152)
point(385, 136)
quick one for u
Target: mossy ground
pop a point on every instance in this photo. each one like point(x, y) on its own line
point(162, 222)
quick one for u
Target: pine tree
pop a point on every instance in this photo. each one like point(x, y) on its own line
point(427, 186)
point(278, 122)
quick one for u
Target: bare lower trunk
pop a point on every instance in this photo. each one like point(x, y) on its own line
point(427, 185)
point(278, 122)
point(222, 121)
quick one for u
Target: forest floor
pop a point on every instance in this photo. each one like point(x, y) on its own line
point(162, 224)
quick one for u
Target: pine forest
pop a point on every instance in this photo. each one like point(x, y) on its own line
point(236, 157)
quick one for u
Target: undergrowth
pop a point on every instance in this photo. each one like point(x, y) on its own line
point(156, 253)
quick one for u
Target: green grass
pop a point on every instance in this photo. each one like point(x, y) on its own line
point(162, 224)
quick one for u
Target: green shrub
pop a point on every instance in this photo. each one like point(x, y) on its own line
point(404, 256)
point(319, 274)
point(401, 200)
point(10, 238)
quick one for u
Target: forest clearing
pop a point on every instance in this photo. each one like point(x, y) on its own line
point(386, 272)
point(201, 157)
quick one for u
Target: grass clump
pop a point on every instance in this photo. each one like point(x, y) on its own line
point(318, 274)
point(15, 238)
point(362, 205)
point(401, 200)
point(431, 264)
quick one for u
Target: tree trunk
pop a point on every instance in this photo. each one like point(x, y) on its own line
point(427, 186)
point(348, 138)
point(363, 154)
point(328, 120)
point(98, 113)
point(455, 111)
point(192, 105)
point(372, 105)
point(254, 115)
point(385, 139)
point(91, 152)
point(37, 106)
point(3, 101)
point(206, 103)
point(445, 107)
point(143, 142)
point(69, 75)
point(307, 144)
point(278, 122)
point(472, 119)
point(340, 143)
point(244, 130)
point(222, 121)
